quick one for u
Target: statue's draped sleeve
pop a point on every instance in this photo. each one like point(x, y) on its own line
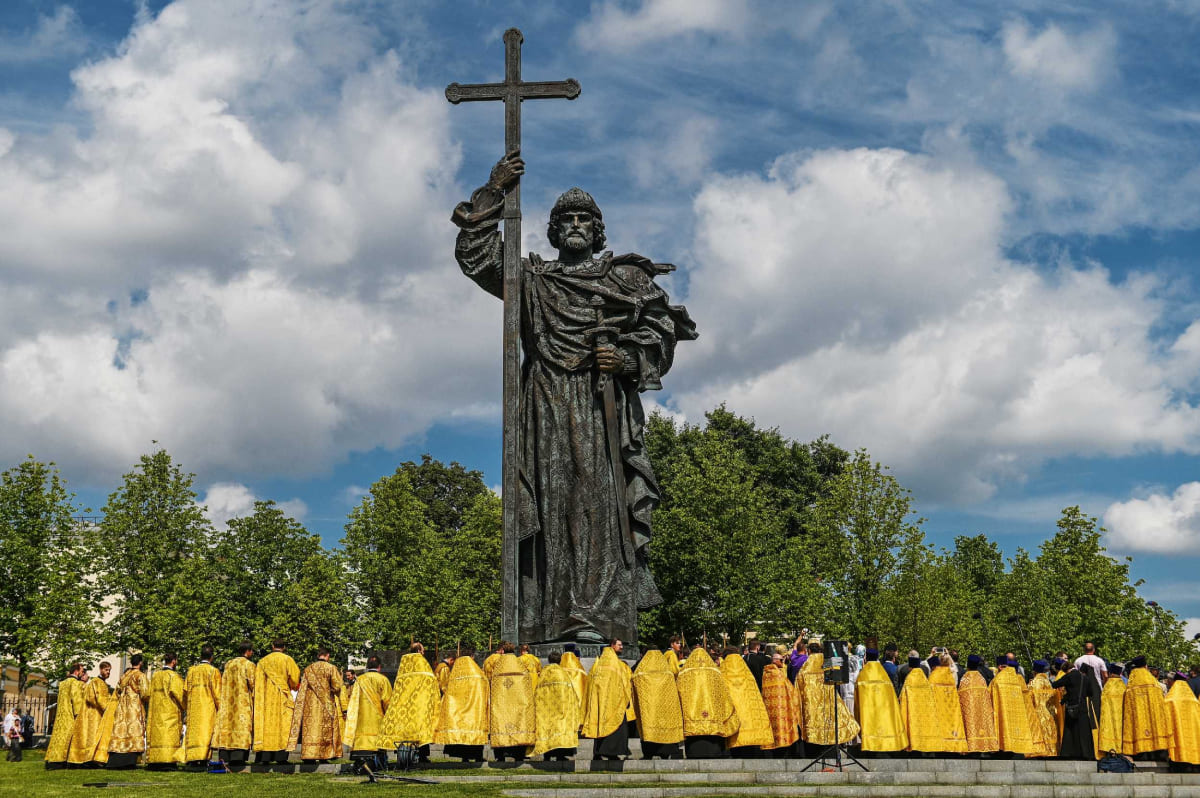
point(479, 249)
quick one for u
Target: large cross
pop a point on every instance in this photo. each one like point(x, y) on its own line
point(512, 91)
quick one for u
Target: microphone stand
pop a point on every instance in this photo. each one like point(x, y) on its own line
point(1024, 640)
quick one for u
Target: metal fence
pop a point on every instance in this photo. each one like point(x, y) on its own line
point(30, 706)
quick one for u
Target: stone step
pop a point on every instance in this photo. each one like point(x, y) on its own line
point(1114, 790)
point(895, 778)
point(916, 765)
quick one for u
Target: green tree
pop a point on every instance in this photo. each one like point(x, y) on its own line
point(48, 599)
point(317, 608)
point(152, 529)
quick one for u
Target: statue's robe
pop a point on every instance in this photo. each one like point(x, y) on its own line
point(364, 717)
point(659, 715)
point(709, 717)
point(276, 676)
point(577, 570)
point(233, 734)
point(70, 704)
point(557, 713)
point(609, 689)
point(1145, 724)
point(779, 698)
point(1013, 709)
point(202, 689)
point(979, 719)
point(85, 735)
point(579, 678)
point(754, 726)
point(317, 719)
point(1183, 720)
point(876, 709)
point(413, 708)
point(1111, 738)
point(123, 727)
point(817, 702)
point(462, 724)
point(1047, 706)
point(164, 729)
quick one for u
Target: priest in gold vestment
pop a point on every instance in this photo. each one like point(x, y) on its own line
point(70, 704)
point(557, 714)
point(530, 662)
point(442, 671)
point(1183, 718)
point(123, 727)
point(817, 702)
point(202, 689)
point(876, 707)
point(979, 720)
point(1145, 723)
point(276, 676)
point(1047, 706)
point(317, 720)
point(656, 699)
point(164, 730)
point(754, 726)
point(709, 717)
point(1111, 738)
point(779, 698)
point(413, 708)
point(574, 668)
point(609, 691)
point(85, 737)
point(364, 717)
point(1013, 708)
point(462, 725)
point(233, 734)
point(926, 714)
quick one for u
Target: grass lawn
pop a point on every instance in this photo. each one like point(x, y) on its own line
point(29, 779)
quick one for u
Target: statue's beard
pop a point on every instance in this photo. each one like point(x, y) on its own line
point(576, 244)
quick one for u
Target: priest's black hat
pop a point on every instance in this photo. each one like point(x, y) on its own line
point(974, 661)
point(914, 662)
point(872, 655)
point(1115, 669)
point(1040, 666)
point(1138, 662)
point(1002, 661)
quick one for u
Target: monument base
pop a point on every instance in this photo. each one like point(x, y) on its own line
point(629, 652)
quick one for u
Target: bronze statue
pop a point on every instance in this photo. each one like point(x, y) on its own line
point(593, 327)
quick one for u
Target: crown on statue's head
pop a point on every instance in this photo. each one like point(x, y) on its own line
point(576, 199)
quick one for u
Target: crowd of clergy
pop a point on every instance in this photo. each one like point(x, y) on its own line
point(700, 703)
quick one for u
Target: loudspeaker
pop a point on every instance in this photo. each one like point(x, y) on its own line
point(837, 664)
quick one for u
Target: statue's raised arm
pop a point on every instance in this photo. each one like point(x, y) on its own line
point(479, 249)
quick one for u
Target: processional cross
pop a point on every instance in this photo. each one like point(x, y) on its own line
point(512, 91)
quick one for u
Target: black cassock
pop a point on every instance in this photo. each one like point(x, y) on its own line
point(577, 571)
point(1080, 710)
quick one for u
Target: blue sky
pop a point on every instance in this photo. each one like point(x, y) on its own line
point(961, 235)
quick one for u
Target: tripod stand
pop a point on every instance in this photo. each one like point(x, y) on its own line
point(836, 748)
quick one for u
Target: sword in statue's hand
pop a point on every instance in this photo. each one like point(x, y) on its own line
point(605, 335)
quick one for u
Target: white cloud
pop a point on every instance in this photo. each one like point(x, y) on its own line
point(1058, 58)
point(681, 155)
point(56, 35)
point(863, 294)
point(224, 501)
point(1191, 627)
point(1160, 522)
point(611, 27)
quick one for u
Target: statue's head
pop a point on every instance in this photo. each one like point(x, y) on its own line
point(576, 223)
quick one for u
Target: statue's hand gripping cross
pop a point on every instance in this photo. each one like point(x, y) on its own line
point(512, 91)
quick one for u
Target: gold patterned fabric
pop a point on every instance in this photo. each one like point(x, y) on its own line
point(818, 701)
point(164, 727)
point(1145, 722)
point(412, 711)
point(364, 717)
point(779, 698)
point(979, 721)
point(317, 721)
point(127, 731)
point(579, 678)
point(608, 695)
point(557, 713)
point(1111, 738)
point(202, 689)
point(1013, 709)
point(920, 713)
point(945, 697)
point(489, 665)
point(274, 679)
point(876, 709)
point(704, 698)
point(235, 709)
point(442, 672)
point(656, 696)
point(511, 720)
point(672, 660)
point(70, 704)
point(1183, 718)
point(1047, 705)
point(463, 713)
point(531, 664)
point(754, 726)
point(86, 733)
